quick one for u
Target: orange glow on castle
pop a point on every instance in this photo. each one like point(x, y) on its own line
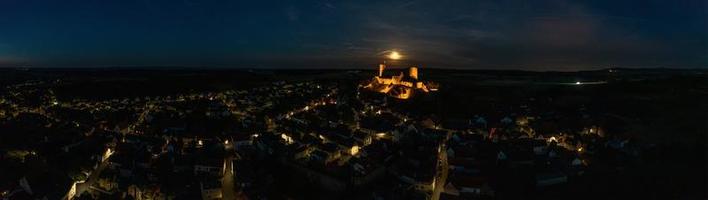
point(400, 86)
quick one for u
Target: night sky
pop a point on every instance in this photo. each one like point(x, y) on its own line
point(470, 34)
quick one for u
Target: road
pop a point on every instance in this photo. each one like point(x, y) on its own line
point(441, 169)
point(227, 182)
point(228, 189)
point(441, 175)
point(82, 187)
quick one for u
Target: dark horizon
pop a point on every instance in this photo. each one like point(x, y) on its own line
point(213, 68)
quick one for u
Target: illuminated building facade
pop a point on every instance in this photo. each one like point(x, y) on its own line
point(400, 86)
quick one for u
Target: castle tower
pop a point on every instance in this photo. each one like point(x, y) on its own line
point(413, 72)
point(381, 69)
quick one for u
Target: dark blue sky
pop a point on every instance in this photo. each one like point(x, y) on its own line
point(494, 34)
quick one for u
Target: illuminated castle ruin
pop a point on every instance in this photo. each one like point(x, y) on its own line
point(400, 86)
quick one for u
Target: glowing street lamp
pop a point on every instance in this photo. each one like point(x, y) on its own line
point(552, 139)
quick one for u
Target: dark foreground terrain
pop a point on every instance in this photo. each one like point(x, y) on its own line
point(316, 134)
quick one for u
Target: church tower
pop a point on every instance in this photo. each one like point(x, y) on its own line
point(413, 72)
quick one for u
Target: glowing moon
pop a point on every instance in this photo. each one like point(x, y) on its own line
point(394, 55)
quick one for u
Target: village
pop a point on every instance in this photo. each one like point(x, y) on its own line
point(302, 140)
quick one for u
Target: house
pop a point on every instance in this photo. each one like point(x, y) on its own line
point(48, 185)
point(210, 167)
point(246, 175)
point(210, 189)
point(468, 187)
point(550, 178)
point(329, 152)
point(456, 124)
point(362, 137)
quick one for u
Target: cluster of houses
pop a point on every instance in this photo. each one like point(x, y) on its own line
point(57, 165)
point(138, 147)
point(213, 145)
point(436, 159)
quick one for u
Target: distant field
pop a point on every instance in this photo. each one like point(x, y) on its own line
point(663, 108)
